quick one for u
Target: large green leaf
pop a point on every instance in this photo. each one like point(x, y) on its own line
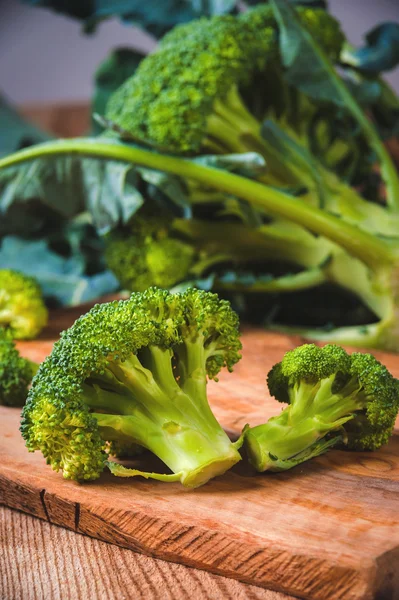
point(16, 132)
point(65, 186)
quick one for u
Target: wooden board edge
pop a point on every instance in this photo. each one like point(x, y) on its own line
point(263, 565)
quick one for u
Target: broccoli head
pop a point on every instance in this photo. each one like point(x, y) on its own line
point(186, 95)
point(15, 372)
point(22, 308)
point(334, 399)
point(135, 372)
point(145, 255)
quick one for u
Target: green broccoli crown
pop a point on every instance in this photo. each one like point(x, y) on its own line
point(363, 390)
point(140, 358)
point(146, 256)
point(378, 397)
point(324, 28)
point(167, 101)
point(307, 363)
point(22, 308)
point(195, 73)
point(321, 24)
point(334, 399)
point(15, 372)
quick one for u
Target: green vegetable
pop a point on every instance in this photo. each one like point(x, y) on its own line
point(319, 214)
point(135, 371)
point(334, 398)
point(359, 260)
point(185, 96)
point(15, 372)
point(21, 305)
point(146, 255)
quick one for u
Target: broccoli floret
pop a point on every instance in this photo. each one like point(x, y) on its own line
point(135, 372)
point(186, 95)
point(22, 308)
point(334, 399)
point(15, 372)
point(145, 255)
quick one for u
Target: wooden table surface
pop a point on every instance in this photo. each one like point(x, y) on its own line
point(40, 561)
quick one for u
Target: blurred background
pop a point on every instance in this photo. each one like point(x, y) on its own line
point(46, 58)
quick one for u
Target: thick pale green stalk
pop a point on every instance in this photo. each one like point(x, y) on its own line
point(367, 247)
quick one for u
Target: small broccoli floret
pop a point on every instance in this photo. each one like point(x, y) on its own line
point(135, 372)
point(15, 372)
point(334, 399)
point(22, 308)
point(186, 95)
point(146, 256)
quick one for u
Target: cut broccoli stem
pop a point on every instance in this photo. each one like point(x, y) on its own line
point(368, 248)
point(183, 447)
point(314, 411)
point(173, 420)
point(265, 461)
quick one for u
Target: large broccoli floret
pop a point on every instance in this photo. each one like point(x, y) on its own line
point(22, 308)
point(186, 95)
point(334, 398)
point(135, 372)
point(15, 372)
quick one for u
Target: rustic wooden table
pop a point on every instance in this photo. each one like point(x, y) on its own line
point(40, 561)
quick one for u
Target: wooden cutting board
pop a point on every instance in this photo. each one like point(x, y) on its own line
point(328, 529)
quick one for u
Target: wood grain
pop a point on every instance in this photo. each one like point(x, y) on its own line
point(326, 530)
point(40, 561)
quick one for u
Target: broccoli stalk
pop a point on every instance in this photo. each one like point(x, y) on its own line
point(334, 398)
point(161, 252)
point(135, 372)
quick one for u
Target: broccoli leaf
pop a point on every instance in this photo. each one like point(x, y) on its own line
point(381, 53)
point(61, 278)
point(71, 185)
point(112, 72)
point(155, 16)
point(306, 66)
point(16, 132)
point(68, 185)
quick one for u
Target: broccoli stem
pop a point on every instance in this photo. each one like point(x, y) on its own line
point(234, 129)
point(140, 400)
point(368, 248)
point(238, 243)
point(286, 283)
point(314, 411)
